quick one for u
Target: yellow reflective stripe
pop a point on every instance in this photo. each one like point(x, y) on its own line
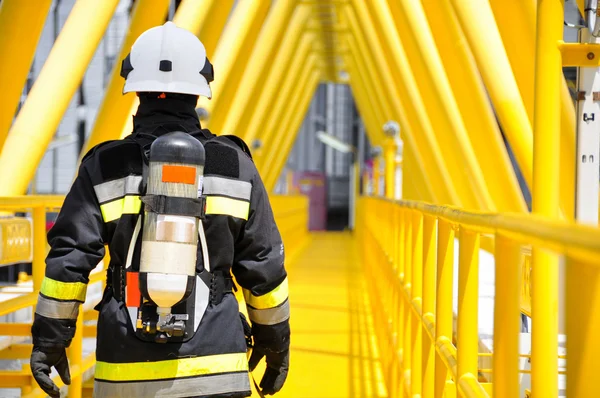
point(227, 206)
point(114, 210)
point(63, 290)
point(268, 300)
point(172, 368)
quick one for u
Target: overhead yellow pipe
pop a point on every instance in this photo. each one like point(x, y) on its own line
point(294, 42)
point(407, 82)
point(116, 106)
point(439, 99)
point(433, 169)
point(480, 29)
point(478, 116)
point(21, 25)
point(260, 63)
point(288, 95)
point(296, 115)
point(231, 58)
point(516, 22)
point(62, 73)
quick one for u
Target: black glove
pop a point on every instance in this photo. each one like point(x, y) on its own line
point(42, 360)
point(272, 342)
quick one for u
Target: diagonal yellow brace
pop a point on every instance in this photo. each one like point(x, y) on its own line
point(21, 24)
point(63, 71)
point(261, 62)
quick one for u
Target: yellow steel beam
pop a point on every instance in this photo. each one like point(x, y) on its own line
point(478, 24)
point(437, 93)
point(297, 113)
point(516, 22)
point(478, 116)
point(231, 58)
point(294, 42)
point(433, 169)
point(21, 25)
point(414, 102)
point(288, 96)
point(546, 130)
point(260, 64)
point(298, 65)
point(62, 73)
point(116, 106)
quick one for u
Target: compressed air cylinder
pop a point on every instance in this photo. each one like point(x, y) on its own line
point(169, 241)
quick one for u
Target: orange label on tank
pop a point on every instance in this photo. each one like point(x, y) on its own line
point(179, 174)
point(133, 296)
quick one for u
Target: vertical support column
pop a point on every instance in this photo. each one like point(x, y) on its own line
point(507, 320)
point(546, 151)
point(416, 300)
point(390, 168)
point(443, 303)
point(376, 175)
point(429, 264)
point(468, 296)
point(38, 267)
point(408, 317)
point(75, 352)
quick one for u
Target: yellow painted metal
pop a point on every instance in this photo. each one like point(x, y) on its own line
point(580, 54)
point(407, 222)
point(468, 297)
point(75, 353)
point(39, 247)
point(15, 240)
point(390, 168)
point(477, 22)
point(507, 318)
point(416, 299)
point(429, 303)
point(293, 42)
point(117, 107)
point(440, 102)
point(414, 103)
point(21, 25)
point(472, 100)
point(260, 63)
point(516, 22)
point(546, 130)
point(206, 19)
point(231, 58)
point(299, 103)
point(36, 123)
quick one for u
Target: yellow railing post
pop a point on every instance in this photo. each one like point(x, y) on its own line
point(506, 317)
point(408, 317)
point(38, 266)
point(468, 297)
point(443, 300)
point(546, 150)
point(76, 359)
point(429, 268)
point(416, 300)
point(390, 168)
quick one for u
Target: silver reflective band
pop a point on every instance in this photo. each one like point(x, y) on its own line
point(118, 188)
point(223, 186)
point(57, 309)
point(270, 316)
point(192, 386)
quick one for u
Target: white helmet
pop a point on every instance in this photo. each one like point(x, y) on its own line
point(167, 59)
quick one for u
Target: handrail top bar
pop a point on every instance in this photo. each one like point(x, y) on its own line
point(577, 241)
point(22, 202)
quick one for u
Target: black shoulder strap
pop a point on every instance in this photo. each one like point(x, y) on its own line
point(239, 143)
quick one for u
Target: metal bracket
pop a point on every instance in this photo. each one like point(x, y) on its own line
point(581, 55)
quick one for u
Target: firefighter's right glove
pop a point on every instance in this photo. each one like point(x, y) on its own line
point(42, 360)
point(273, 343)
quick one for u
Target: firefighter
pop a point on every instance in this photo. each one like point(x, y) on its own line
point(141, 352)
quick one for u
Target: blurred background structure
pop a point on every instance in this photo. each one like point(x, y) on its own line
point(432, 164)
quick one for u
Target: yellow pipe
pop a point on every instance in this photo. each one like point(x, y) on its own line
point(468, 300)
point(445, 115)
point(293, 42)
point(21, 25)
point(429, 286)
point(480, 29)
point(38, 266)
point(260, 63)
point(75, 353)
point(546, 130)
point(473, 102)
point(507, 322)
point(390, 168)
point(304, 95)
point(416, 297)
point(516, 22)
point(36, 123)
point(116, 106)
point(231, 58)
point(407, 279)
point(407, 83)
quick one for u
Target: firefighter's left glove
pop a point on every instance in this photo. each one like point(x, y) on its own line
point(42, 360)
point(273, 343)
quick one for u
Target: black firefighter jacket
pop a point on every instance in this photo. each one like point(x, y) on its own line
point(102, 209)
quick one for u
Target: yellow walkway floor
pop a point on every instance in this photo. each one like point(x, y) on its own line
point(334, 351)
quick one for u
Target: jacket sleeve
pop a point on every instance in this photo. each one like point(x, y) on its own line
point(76, 247)
point(259, 262)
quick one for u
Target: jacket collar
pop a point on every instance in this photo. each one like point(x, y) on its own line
point(159, 116)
